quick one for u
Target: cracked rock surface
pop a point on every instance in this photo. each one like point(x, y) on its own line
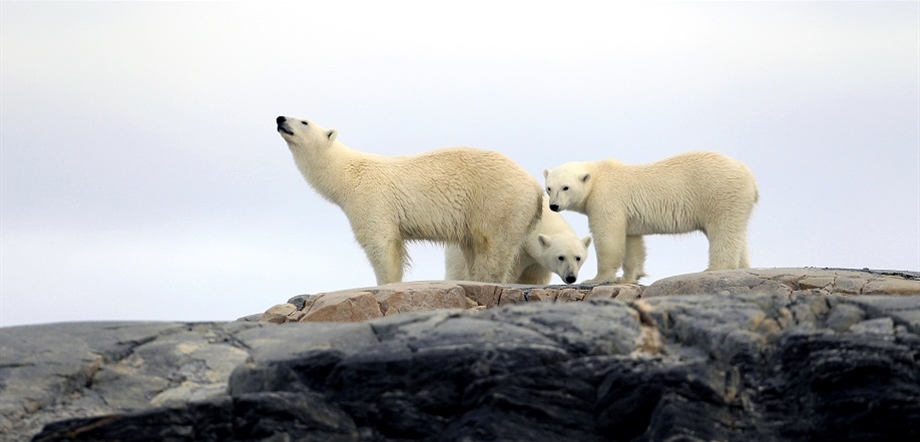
point(743, 355)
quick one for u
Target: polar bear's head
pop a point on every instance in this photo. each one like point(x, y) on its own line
point(563, 254)
point(304, 137)
point(568, 186)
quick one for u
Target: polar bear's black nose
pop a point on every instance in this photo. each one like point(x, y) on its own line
point(570, 279)
point(280, 120)
point(554, 207)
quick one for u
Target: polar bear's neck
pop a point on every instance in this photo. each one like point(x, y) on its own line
point(330, 171)
point(594, 169)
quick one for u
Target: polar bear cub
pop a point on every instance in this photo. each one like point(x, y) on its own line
point(551, 247)
point(704, 191)
point(480, 200)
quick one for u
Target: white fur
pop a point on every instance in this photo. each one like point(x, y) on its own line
point(480, 200)
point(551, 247)
point(704, 191)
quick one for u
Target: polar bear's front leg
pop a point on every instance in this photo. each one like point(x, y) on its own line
point(385, 250)
point(534, 274)
point(388, 260)
point(610, 247)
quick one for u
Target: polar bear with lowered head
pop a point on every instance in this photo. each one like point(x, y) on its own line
point(704, 191)
point(551, 247)
point(478, 199)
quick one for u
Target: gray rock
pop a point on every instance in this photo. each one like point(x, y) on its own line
point(56, 371)
point(843, 316)
point(746, 363)
point(782, 281)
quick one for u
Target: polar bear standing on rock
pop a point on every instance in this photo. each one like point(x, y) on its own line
point(551, 247)
point(704, 191)
point(480, 200)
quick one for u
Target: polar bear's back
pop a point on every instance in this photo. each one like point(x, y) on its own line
point(682, 193)
point(703, 174)
point(460, 176)
point(468, 160)
point(455, 188)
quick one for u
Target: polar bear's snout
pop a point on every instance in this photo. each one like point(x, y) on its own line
point(283, 126)
point(554, 207)
point(570, 279)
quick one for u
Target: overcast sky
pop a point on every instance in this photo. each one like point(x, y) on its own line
point(143, 179)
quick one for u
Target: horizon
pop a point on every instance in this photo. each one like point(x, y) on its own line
point(142, 177)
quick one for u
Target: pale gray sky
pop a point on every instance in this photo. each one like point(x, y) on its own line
point(142, 177)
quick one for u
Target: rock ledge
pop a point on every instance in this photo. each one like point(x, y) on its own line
point(783, 354)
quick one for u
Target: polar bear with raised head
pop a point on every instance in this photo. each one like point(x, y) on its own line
point(704, 191)
point(551, 247)
point(480, 200)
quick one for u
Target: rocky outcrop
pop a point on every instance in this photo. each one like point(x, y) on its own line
point(374, 302)
point(772, 357)
point(788, 282)
point(391, 299)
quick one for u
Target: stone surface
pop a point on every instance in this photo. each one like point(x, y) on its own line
point(783, 354)
point(787, 281)
point(372, 302)
point(48, 372)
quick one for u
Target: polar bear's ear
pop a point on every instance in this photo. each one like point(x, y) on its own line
point(543, 240)
point(332, 134)
point(587, 241)
point(545, 173)
point(584, 178)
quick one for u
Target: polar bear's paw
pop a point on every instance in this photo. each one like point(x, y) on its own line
point(602, 279)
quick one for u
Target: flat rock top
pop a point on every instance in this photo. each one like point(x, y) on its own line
point(60, 371)
point(373, 302)
point(790, 281)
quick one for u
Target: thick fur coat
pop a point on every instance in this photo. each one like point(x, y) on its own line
point(704, 191)
point(480, 200)
point(551, 247)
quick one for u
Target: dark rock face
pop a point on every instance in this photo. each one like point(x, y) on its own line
point(750, 366)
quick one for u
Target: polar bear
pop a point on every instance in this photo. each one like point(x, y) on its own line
point(704, 191)
point(480, 200)
point(551, 247)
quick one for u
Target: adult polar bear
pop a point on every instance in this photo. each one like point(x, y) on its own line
point(703, 191)
point(551, 247)
point(480, 200)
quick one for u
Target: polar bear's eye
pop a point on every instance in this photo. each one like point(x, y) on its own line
point(562, 258)
point(565, 188)
point(549, 189)
point(304, 123)
point(577, 258)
